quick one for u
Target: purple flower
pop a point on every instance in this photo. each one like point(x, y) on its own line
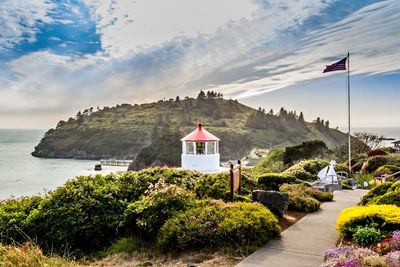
point(395, 242)
point(392, 259)
point(341, 250)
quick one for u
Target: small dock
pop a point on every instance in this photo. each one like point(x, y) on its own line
point(115, 162)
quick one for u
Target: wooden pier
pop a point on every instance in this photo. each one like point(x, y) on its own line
point(115, 162)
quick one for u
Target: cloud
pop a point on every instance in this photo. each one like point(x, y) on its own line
point(241, 48)
point(370, 34)
point(136, 25)
point(19, 20)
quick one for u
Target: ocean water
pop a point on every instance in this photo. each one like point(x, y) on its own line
point(24, 175)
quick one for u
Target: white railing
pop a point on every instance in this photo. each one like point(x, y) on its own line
point(115, 162)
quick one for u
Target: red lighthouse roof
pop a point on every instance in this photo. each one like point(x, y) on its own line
point(199, 135)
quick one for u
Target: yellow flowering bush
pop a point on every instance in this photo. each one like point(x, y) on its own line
point(382, 217)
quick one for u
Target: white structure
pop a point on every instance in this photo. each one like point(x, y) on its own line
point(200, 151)
point(328, 174)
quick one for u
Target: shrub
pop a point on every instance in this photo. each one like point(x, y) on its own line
point(272, 181)
point(388, 149)
point(149, 214)
point(301, 197)
point(389, 169)
point(356, 167)
point(132, 185)
point(81, 215)
point(218, 225)
point(373, 163)
point(213, 186)
point(307, 170)
point(303, 203)
point(367, 235)
point(382, 217)
point(377, 191)
point(390, 198)
point(319, 195)
point(13, 213)
point(376, 152)
point(346, 185)
point(395, 187)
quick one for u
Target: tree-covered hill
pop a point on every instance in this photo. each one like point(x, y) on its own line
point(124, 130)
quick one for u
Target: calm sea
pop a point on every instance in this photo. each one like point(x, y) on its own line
point(23, 175)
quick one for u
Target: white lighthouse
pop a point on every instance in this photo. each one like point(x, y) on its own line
point(200, 151)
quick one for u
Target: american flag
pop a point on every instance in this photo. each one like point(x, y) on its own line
point(340, 65)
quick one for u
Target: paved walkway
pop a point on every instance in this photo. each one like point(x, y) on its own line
point(304, 243)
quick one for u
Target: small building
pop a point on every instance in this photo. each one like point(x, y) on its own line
point(396, 146)
point(200, 151)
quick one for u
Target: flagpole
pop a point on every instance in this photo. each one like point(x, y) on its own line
point(348, 106)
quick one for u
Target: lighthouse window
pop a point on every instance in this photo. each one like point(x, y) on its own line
point(200, 148)
point(210, 147)
point(189, 148)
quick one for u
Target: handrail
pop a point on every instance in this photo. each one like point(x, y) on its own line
point(385, 176)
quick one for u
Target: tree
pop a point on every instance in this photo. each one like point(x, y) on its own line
point(301, 116)
point(342, 152)
point(327, 123)
point(201, 95)
point(373, 141)
point(177, 99)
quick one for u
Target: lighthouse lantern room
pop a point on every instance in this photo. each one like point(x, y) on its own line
point(200, 151)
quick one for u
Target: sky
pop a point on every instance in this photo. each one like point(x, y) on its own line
point(61, 56)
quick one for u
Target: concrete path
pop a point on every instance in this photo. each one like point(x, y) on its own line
point(304, 243)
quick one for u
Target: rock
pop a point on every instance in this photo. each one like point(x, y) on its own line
point(276, 202)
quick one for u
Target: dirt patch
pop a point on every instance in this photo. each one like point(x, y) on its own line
point(289, 218)
point(199, 259)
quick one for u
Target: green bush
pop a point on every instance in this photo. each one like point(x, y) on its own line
point(303, 203)
point(307, 170)
point(346, 185)
point(83, 215)
point(299, 172)
point(319, 195)
point(388, 149)
point(148, 214)
point(132, 185)
point(389, 169)
point(375, 192)
point(390, 198)
point(272, 181)
point(374, 163)
point(367, 236)
point(217, 224)
point(301, 197)
point(13, 213)
point(213, 186)
point(395, 187)
point(273, 162)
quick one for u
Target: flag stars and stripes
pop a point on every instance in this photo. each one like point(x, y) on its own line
point(340, 65)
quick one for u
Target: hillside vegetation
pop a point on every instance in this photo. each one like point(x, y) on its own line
point(124, 130)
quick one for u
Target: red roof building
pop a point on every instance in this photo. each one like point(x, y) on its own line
point(200, 151)
point(200, 135)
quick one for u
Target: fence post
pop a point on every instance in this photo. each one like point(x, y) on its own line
point(232, 188)
point(240, 177)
